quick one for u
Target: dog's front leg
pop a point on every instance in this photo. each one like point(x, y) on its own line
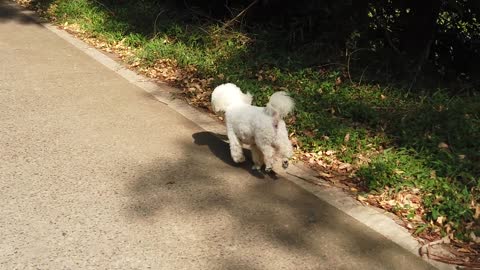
point(283, 144)
point(236, 150)
point(285, 151)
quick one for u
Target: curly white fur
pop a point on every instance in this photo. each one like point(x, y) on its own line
point(226, 95)
point(262, 128)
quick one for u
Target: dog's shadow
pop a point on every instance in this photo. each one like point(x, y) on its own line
point(218, 145)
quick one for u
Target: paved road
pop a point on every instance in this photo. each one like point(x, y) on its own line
point(96, 174)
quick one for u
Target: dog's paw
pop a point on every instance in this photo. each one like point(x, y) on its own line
point(239, 159)
point(285, 164)
point(268, 169)
point(256, 167)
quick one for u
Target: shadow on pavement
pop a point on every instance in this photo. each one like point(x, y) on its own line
point(217, 145)
point(277, 216)
point(9, 11)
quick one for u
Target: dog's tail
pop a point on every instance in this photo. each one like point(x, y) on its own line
point(279, 105)
point(226, 95)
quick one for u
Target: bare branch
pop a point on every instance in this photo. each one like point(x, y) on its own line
point(238, 16)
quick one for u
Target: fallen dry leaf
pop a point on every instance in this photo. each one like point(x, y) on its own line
point(361, 198)
point(329, 152)
point(309, 133)
point(397, 171)
point(345, 166)
point(474, 238)
point(464, 250)
point(443, 145)
point(326, 175)
point(338, 81)
point(440, 220)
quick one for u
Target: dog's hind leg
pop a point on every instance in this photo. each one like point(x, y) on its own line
point(257, 157)
point(236, 150)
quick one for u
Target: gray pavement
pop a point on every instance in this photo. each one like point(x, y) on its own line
point(97, 174)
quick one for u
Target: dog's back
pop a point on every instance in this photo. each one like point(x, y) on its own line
point(227, 95)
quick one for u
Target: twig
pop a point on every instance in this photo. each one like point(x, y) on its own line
point(386, 31)
point(471, 265)
point(238, 16)
point(330, 64)
point(155, 24)
point(103, 5)
point(361, 77)
point(349, 56)
point(421, 62)
point(228, 8)
point(425, 250)
point(203, 30)
point(390, 42)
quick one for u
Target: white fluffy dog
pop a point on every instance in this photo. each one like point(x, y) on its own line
point(262, 128)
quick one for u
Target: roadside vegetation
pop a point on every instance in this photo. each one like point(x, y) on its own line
point(394, 119)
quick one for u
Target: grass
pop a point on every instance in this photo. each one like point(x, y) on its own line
point(426, 141)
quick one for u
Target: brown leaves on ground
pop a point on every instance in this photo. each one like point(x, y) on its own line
point(26, 3)
point(118, 49)
point(195, 89)
point(406, 204)
point(267, 75)
point(451, 251)
point(331, 169)
point(38, 7)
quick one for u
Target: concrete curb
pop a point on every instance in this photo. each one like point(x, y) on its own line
point(370, 217)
